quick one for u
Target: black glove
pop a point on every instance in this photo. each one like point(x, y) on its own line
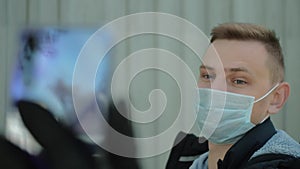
point(62, 149)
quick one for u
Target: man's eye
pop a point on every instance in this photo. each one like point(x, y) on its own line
point(207, 76)
point(239, 82)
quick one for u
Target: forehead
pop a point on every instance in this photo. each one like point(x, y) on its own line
point(227, 54)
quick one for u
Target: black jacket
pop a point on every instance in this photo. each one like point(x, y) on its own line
point(237, 157)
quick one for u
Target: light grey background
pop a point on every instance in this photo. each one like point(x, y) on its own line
point(282, 16)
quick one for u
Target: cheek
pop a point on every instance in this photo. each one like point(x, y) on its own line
point(259, 112)
point(203, 85)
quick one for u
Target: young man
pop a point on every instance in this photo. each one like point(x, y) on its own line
point(241, 84)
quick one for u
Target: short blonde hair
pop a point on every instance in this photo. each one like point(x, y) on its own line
point(247, 31)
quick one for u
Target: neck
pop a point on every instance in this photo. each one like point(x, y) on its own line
point(216, 152)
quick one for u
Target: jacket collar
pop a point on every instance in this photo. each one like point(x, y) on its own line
point(238, 155)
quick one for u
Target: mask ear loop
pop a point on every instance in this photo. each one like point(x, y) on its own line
point(270, 91)
point(264, 96)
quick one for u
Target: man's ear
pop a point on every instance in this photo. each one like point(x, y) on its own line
point(280, 97)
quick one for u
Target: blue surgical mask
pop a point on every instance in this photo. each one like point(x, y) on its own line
point(224, 117)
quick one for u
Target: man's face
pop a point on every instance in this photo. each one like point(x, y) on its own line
point(238, 67)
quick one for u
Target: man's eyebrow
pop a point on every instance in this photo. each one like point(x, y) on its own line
point(238, 69)
point(206, 67)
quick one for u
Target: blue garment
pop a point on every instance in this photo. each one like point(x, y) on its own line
point(280, 143)
point(201, 162)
